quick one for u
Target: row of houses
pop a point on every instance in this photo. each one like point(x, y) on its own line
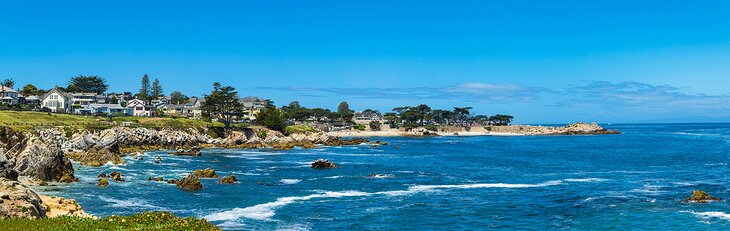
point(59, 101)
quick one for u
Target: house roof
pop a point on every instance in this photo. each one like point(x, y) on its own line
point(109, 105)
point(58, 91)
point(6, 89)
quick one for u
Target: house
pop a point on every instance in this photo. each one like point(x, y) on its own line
point(174, 109)
point(57, 101)
point(250, 109)
point(9, 96)
point(367, 116)
point(33, 100)
point(193, 107)
point(82, 99)
point(110, 109)
point(141, 108)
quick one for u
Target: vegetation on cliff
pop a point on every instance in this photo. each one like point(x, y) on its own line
point(141, 221)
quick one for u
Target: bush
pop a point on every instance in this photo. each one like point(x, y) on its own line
point(262, 134)
point(358, 127)
point(430, 127)
point(374, 125)
point(141, 221)
point(488, 128)
point(302, 128)
point(272, 118)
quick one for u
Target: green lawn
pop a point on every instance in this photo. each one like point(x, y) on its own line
point(141, 221)
point(302, 128)
point(25, 120)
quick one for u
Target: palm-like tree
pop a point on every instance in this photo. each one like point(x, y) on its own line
point(9, 83)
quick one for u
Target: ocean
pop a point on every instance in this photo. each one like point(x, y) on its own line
point(632, 181)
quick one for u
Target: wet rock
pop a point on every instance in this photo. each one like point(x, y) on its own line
point(205, 173)
point(190, 182)
point(323, 164)
point(700, 196)
point(195, 151)
point(103, 182)
point(116, 176)
point(228, 180)
point(19, 201)
point(102, 176)
point(159, 178)
point(340, 142)
point(68, 179)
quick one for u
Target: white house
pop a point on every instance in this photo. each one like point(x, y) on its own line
point(114, 109)
point(57, 101)
point(140, 108)
point(8, 95)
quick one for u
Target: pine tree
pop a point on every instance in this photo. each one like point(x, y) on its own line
point(144, 91)
point(156, 91)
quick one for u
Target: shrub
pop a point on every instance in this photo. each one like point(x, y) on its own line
point(262, 134)
point(374, 125)
point(430, 127)
point(302, 128)
point(358, 127)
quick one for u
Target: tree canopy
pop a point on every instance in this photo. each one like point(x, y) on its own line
point(222, 103)
point(177, 97)
point(156, 91)
point(93, 83)
point(30, 89)
point(8, 82)
point(144, 90)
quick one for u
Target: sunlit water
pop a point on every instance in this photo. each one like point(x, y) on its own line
point(631, 181)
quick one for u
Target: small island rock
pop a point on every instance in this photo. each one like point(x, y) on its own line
point(322, 163)
point(190, 182)
point(228, 180)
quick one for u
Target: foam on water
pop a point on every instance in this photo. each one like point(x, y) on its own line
point(290, 181)
point(131, 202)
point(267, 210)
point(712, 214)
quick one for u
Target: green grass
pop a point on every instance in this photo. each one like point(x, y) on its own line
point(141, 221)
point(302, 128)
point(26, 120)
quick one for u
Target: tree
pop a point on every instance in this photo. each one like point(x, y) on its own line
point(178, 97)
point(344, 110)
point(91, 83)
point(442, 116)
point(113, 100)
point(144, 91)
point(8, 83)
point(374, 125)
point(424, 111)
point(156, 91)
point(500, 119)
point(462, 114)
point(392, 119)
point(30, 89)
point(222, 103)
point(271, 118)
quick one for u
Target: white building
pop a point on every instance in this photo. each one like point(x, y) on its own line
point(57, 101)
point(8, 95)
point(140, 108)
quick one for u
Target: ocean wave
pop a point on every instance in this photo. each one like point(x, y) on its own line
point(267, 210)
point(290, 181)
point(712, 214)
point(584, 180)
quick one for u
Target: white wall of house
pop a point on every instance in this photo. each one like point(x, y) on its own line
point(56, 102)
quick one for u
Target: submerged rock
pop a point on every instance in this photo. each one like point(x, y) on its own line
point(205, 173)
point(195, 151)
point(190, 182)
point(103, 182)
point(228, 180)
point(700, 196)
point(322, 163)
point(116, 176)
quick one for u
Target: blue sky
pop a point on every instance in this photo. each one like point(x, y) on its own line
point(541, 61)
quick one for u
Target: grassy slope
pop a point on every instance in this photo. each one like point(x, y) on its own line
point(141, 221)
point(24, 120)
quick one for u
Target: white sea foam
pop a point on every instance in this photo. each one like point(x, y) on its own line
point(333, 177)
point(290, 181)
point(584, 180)
point(712, 214)
point(267, 210)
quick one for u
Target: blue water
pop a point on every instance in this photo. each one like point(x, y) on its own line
point(635, 180)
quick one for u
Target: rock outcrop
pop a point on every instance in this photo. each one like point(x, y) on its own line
point(700, 196)
point(116, 176)
point(228, 180)
point(190, 182)
point(43, 158)
point(205, 173)
point(19, 201)
point(59, 206)
point(579, 128)
point(103, 182)
point(323, 164)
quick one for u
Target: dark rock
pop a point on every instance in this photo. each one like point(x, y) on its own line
point(116, 176)
point(103, 182)
point(322, 163)
point(205, 173)
point(159, 178)
point(190, 182)
point(195, 151)
point(228, 180)
point(700, 196)
point(102, 176)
